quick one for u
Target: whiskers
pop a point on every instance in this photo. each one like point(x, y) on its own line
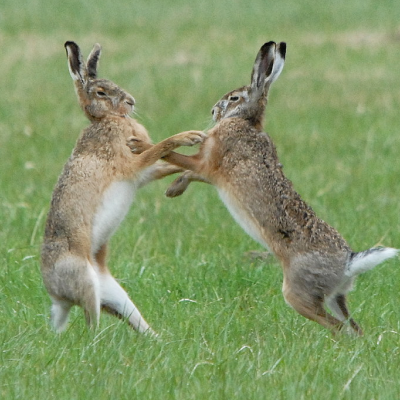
point(209, 124)
point(135, 114)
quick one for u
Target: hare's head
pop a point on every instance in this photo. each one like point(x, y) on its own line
point(249, 102)
point(98, 98)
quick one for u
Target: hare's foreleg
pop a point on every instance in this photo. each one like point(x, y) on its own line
point(148, 154)
point(180, 184)
point(161, 170)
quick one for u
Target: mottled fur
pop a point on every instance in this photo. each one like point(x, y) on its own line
point(93, 195)
point(240, 160)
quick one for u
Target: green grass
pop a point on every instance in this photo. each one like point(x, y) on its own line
point(226, 332)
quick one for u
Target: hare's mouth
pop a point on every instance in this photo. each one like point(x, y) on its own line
point(216, 113)
point(129, 106)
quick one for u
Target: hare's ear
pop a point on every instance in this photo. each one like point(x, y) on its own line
point(93, 61)
point(263, 65)
point(279, 62)
point(76, 65)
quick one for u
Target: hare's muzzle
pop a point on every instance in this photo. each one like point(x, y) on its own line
point(130, 102)
point(216, 113)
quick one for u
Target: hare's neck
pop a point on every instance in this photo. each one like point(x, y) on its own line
point(256, 118)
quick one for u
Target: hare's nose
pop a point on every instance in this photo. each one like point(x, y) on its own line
point(215, 112)
point(130, 101)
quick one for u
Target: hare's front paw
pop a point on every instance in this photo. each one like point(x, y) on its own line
point(178, 186)
point(136, 145)
point(189, 138)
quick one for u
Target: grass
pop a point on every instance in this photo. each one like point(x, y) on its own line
point(225, 329)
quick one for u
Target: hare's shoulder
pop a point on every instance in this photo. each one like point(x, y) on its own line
point(134, 128)
point(115, 128)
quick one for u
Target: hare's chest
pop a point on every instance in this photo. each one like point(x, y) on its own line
point(111, 211)
point(242, 216)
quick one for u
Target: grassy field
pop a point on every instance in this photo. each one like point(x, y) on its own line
point(225, 330)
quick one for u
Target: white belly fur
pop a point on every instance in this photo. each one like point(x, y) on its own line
point(117, 199)
point(242, 217)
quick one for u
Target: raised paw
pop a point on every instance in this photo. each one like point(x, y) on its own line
point(188, 138)
point(137, 146)
point(178, 186)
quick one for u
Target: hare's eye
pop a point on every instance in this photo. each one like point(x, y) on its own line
point(101, 94)
point(233, 98)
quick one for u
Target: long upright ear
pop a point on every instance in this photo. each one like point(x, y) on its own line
point(280, 53)
point(263, 65)
point(93, 60)
point(76, 65)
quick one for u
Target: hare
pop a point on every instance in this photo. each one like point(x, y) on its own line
point(241, 161)
point(93, 195)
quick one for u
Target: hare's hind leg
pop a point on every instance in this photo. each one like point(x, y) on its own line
point(73, 282)
point(59, 314)
point(116, 301)
point(312, 307)
point(338, 306)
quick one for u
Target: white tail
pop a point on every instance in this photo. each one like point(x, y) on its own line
point(368, 259)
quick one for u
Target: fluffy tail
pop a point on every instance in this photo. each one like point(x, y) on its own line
point(368, 259)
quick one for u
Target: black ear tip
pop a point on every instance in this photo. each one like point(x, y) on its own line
point(265, 47)
point(69, 43)
point(72, 46)
point(282, 49)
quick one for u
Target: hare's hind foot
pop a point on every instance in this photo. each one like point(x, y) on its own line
point(59, 314)
point(338, 305)
point(312, 307)
point(116, 301)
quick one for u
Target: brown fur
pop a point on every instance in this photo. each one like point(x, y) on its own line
point(93, 194)
point(241, 161)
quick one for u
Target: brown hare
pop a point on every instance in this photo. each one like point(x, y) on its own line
point(241, 161)
point(93, 195)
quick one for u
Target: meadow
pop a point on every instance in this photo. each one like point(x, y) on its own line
point(225, 330)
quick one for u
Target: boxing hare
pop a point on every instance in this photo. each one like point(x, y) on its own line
point(93, 195)
point(240, 159)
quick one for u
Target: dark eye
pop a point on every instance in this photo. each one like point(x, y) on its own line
point(233, 98)
point(101, 94)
